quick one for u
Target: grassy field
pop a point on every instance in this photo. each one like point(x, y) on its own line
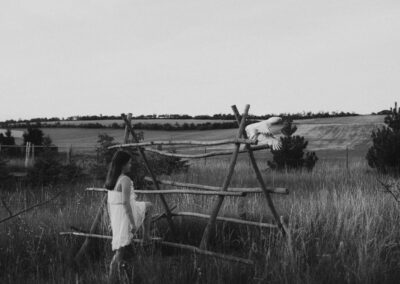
point(344, 230)
point(344, 227)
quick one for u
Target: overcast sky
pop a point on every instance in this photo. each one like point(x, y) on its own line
point(79, 57)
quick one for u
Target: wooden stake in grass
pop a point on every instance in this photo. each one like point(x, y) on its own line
point(152, 175)
point(170, 244)
point(99, 213)
point(211, 223)
point(259, 176)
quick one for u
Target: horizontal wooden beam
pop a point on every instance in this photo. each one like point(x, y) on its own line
point(80, 234)
point(209, 253)
point(277, 190)
point(204, 155)
point(226, 219)
point(185, 142)
point(170, 244)
point(177, 191)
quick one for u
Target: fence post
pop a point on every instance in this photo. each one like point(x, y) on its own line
point(32, 155)
point(27, 154)
point(69, 154)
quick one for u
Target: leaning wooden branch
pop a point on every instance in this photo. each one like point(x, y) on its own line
point(227, 219)
point(388, 189)
point(178, 191)
point(32, 207)
point(185, 142)
point(152, 174)
point(171, 244)
point(199, 156)
point(277, 190)
point(5, 206)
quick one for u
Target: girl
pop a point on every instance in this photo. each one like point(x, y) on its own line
point(127, 215)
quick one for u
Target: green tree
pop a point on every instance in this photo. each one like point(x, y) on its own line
point(291, 154)
point(104, 141)
point(34, 135)
point(384, 154)
point(8, 140)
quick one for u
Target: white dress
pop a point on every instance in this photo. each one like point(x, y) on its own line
point(120, 225)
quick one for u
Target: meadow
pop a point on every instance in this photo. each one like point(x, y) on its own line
point(344, 229)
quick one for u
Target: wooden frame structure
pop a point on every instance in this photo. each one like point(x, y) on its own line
point(220, 192)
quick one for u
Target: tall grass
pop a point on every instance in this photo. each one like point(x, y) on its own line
point(344, 230)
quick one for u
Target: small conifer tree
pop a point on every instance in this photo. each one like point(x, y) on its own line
point(384, 154)
point(291, 154)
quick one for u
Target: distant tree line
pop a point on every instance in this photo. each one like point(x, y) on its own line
point(141, 126)
point(219, 116)
point(43, 122)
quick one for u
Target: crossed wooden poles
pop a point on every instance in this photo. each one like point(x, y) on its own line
point(221, 192)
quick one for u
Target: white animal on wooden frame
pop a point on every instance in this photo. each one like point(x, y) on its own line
point(266, 132)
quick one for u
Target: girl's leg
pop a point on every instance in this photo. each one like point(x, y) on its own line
point(119, 268)
point(147, 221)
point(114, 267)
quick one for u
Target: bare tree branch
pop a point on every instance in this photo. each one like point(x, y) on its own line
point(388, 188)
point(32, 207)
point(5, 206)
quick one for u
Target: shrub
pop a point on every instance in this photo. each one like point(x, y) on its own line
point(291, 154)
point(8, 140)
point(48, 170)
point(5, 177)
point(36, 136)
point(384, 154)
point(104, 155)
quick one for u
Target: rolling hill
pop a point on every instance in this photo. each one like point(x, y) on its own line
point(323, 134)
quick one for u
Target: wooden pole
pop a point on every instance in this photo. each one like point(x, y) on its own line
point(205, 155)
point(26, 154)
point(150, 171)
point(211, 223)
point(33, 155)
point(184, 142)
point(103, 202)
point(259, 176)
point(179, 191)
point(170, 244)
point(277, 190)
point(69, 154)
point(227, 219)
point(128, 127)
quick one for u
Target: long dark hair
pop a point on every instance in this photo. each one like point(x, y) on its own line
point(119, 160)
